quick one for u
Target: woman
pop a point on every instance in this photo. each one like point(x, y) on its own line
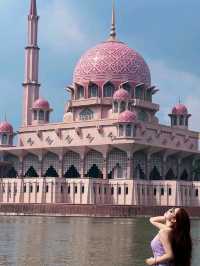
point(172, 246)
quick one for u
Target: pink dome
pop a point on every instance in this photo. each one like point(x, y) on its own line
point(121, 95)
point(6, 127)
point(179, 109)
point(41, 104)
point(112, 60)
point(127, 117)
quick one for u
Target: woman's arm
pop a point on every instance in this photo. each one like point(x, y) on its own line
point(168, 256)
point(158, 221)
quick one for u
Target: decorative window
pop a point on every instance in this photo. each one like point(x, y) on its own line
point(71, 165)
point(127, 87)
point(181, 120)
point(122, 107)
point(41, 115)
point(139, 92)
point(174, 120)
point(4, 139)
point(94, 164)
point(93, 90)
point(117, 164)
point(50, 165)
point(31, 165)
point(139, 164)
point(108, 89)
point(115, 105)
point(35, 114)
point(80, 92)
point(119, 190)
point(121, 130)
point(142, 116)
point(15, 165)
point(86, 114)
point(148, 96)
point(128, 130)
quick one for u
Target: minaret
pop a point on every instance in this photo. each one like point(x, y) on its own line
point(113, 25)
point(31, 84)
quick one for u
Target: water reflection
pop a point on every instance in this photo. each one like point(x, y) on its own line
point(56, 241)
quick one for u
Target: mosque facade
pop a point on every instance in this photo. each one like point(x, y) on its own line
point(110, 147)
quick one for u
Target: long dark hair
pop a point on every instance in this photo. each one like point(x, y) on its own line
point(181, 239)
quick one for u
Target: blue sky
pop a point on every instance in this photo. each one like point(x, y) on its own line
point(165, 32)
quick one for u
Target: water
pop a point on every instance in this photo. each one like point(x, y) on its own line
point(60, 241)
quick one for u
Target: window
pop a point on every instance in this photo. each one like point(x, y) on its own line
point(128, 130)
point(47, 116)
point(148, 96)
point(162, 191)
point(126, 190)
point(94, 190)
point(174, 120)
point(139, 92)
point(99, 190)
point(86, 114)
point(82, 189)
point(112, 190)
point(47, 188)
point(169, 191)
point(186, 121)
point(80, 92)
point(41, 115)
point(93, 90)
point(154, 191)
point(38, 188)
point(105, 190)
point(115, 107)
point(61, 189)
point(121, 130)
point(68, 190)
point(4, 139)
point(35, 114)
point(142, 116)
point(108, 90)
point(181, 120)
point(196, 192)
point(75, 189)
point(24, 188)
point(119, 190)
point(31, 188)
point(122, 107)
point(127, 87)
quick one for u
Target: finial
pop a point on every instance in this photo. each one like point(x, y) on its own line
point(113, 26)
point(33, 8)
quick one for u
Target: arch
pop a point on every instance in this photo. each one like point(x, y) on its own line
point(184, 175)
point(170, 175)
point(142, 116)
point(108, 89)
point(155, 174)
point(12, 173)
point(31, 172)
point(4, 138)
point(50, 164)
point(80, 91)
point(172, 163)
point(139, 165)
point(92, 90)
point(117, 164)
point(126, 86)
point(186, 169)
point(71, 164)
point(94, 164)
point(14, 162)
point(31, 164)
point(129, 130)
point(51, 172)
point(155, 166)
point(120, 130)
point(86, 114)
point(139, 91)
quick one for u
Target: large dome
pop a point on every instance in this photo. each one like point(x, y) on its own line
point(112, 60)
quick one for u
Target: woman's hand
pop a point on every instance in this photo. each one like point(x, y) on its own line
point(150, 261)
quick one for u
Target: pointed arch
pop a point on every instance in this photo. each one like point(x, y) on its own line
point(31, 164)
point(86, 114)
point(170, 175)
point(108, 89)
point(172, 163)
point(139, 91)
point(94, 164)
point(184, 175)
point(155, 174)
point(51, 172)
point(12, 173)
point(139, 165)
point(80, 91)
point(14, 162)
point(117, 164)
point(126, 86)
point(50, 163)
point(156, 165)
point(92, 90)
point(71, 165)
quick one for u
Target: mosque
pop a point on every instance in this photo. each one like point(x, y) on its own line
point(110, 148)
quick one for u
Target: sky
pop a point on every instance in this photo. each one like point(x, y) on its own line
point(165, 32)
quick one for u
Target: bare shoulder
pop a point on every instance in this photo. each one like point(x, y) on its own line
point(164, 232)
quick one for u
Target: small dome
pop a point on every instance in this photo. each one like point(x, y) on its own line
point(41, 104)
point(6, 127)
point(121, 95)
point(179, 109)
point(127, 117)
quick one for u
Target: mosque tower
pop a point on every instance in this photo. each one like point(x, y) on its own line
point(31, 84)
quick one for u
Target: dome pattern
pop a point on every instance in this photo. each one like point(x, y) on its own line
point(121, 95)
point(127, 117)
point(112, 60)
point(41, 104)
point(6, 127)
point(180, 109)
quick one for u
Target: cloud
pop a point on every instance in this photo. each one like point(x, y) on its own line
point(172, 84)
point(61, 26)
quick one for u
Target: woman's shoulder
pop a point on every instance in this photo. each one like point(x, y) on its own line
point(165, 231)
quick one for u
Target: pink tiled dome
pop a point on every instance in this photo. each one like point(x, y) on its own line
point(41, 104)
point(179, 109)
point(127, 117)
point(112, 60)
point(121, 95)
point(6, 127)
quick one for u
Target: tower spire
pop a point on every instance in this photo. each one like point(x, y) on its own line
point(113, 33)
point(33, 8)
